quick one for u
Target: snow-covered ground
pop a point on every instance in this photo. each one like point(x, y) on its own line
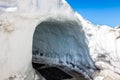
point(18, 20)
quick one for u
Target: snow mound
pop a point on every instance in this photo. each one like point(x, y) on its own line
point(86, 42)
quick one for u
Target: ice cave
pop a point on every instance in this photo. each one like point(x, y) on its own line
point(62, 43)
point(48, 40)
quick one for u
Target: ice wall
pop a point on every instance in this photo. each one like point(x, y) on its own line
point(62, 42)
point(18, 19)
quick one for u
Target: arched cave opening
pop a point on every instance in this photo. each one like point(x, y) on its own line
point(52, 43)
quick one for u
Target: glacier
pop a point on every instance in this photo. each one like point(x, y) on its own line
point(66, 38)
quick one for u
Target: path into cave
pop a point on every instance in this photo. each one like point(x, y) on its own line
point(52, 41)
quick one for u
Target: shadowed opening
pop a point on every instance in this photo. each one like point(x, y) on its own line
point(52, 42)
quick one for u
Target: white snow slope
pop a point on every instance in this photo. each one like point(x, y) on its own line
point(18, 20)
point(104, 45)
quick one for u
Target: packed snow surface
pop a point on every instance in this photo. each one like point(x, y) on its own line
point(71, 38)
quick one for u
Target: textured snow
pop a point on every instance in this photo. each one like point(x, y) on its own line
point(18, 21)
point(104, 45)
point(15, 46)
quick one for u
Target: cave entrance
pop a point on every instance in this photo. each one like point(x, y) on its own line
point(51, 39)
